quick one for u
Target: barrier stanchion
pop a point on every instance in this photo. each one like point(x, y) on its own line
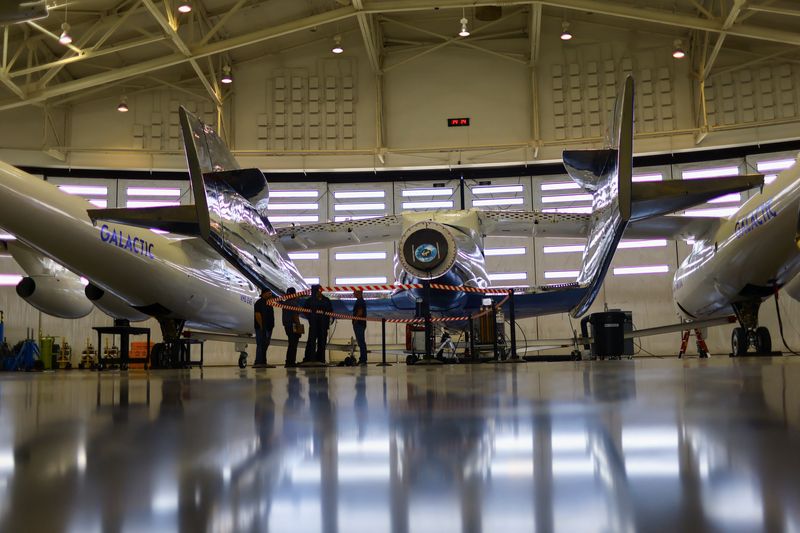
point(494, 333)
point(513, 319)
point(428, 327)
point(472, 354)
point(383, 344)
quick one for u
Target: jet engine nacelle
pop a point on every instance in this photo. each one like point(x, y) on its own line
point(428, 250)
point(112, 305)
point(56, 296)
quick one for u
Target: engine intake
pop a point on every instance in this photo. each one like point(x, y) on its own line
point(59, 297)
point(428, 250)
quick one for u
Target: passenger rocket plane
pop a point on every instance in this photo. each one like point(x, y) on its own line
point(227, 250)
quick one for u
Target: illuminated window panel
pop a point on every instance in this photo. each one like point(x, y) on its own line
point(560, 186)
point(311, 281)
point(150, 203)
point(294, 194)
point(653, 176)
point(432, 204)
point(152, 191)
point(7, 237)
point(158, 231)
point(10, 280)
point(497, 189)
point(498, 201)
point(508, 276)
point(359, 256)
point(346, 195)
point(776, 165)
point(303, 256)
point(490, 252)
point(579, 209)
point(653, 243)
point(651, 269)
point(723, 212)
point(293, 207)
point(438, 191)
point(727, 199)
point(342, 218)
point(718, 172)
point(567, 198)
point(84, 190)
point(102, 204)
point(359, 207)
point(564, 249)
point(293, 218)
point(561, 274)
point(369, 280)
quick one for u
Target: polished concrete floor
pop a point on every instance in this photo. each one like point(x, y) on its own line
point(615, 446)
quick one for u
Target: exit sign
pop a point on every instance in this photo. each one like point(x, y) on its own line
point(457, 122)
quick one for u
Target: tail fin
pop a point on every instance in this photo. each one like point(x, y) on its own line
point(607, 175)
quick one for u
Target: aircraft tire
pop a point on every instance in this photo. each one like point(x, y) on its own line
point(738, 342)
point(242, 359)
point(763, 340)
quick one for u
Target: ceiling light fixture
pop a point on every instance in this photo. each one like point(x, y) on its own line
point(464, 31)
point(65, 37)
point(226, 75)
point(678, 52)
point(337, 45)
point(123, 105)
point(565, 33)
point(185, 6)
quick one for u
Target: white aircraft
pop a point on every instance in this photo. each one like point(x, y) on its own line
point(210, 278)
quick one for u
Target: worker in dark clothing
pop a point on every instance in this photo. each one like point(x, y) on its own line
point(360, 326)
point(264, 323)
point(293, 329)
point(318, 324)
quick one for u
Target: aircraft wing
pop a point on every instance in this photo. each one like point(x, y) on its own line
point(332, 234)
point(673, 227)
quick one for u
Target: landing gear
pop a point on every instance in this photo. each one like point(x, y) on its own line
point(749, 333)
point(171, 353)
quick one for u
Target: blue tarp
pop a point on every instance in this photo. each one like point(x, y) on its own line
point(25, 359)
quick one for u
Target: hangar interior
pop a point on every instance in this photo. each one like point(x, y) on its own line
point(296, 108)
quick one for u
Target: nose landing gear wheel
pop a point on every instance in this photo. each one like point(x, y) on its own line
point(763, 341)
point(242, 359)
point(738, 342)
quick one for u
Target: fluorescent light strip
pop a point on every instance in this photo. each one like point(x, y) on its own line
point(723, 212)
point(344, 195)
point(102, 204)
point(776, 164)
point(9, 280)
point(158, 231)
point(498, 201)
point(508, 276)
point(489, 252)
point(560, 274)
point(567, 198)
point(150, 203)
point(311, 281)
point(359, 256)
point(654, 243)
point(727, 199)
point(302, 256)
point(560, 186)
point(359, 207)
point(84, 190)
point(434, 204)
point(497, 189)
point(439, 191)
point(308, 193)
point(7, 237)
point(357, 281)
point(769, 178)
point(152, 191)
point(293, 218)
point(654, 269)
point(586, 209)
point(342, 218)
point(718, 172)
point(564, 249)
point(648, 177)
point(293, 207)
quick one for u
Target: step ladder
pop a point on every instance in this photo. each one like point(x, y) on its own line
point(702, 348)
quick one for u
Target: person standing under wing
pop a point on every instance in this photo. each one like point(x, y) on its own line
point(360, 326)
point(294, 330)
point(264, 323)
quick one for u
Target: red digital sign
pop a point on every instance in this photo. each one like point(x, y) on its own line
point(457, 122)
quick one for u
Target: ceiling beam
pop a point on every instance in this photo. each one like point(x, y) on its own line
point(221, 22)
point(736, 9)
point(366, 24)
